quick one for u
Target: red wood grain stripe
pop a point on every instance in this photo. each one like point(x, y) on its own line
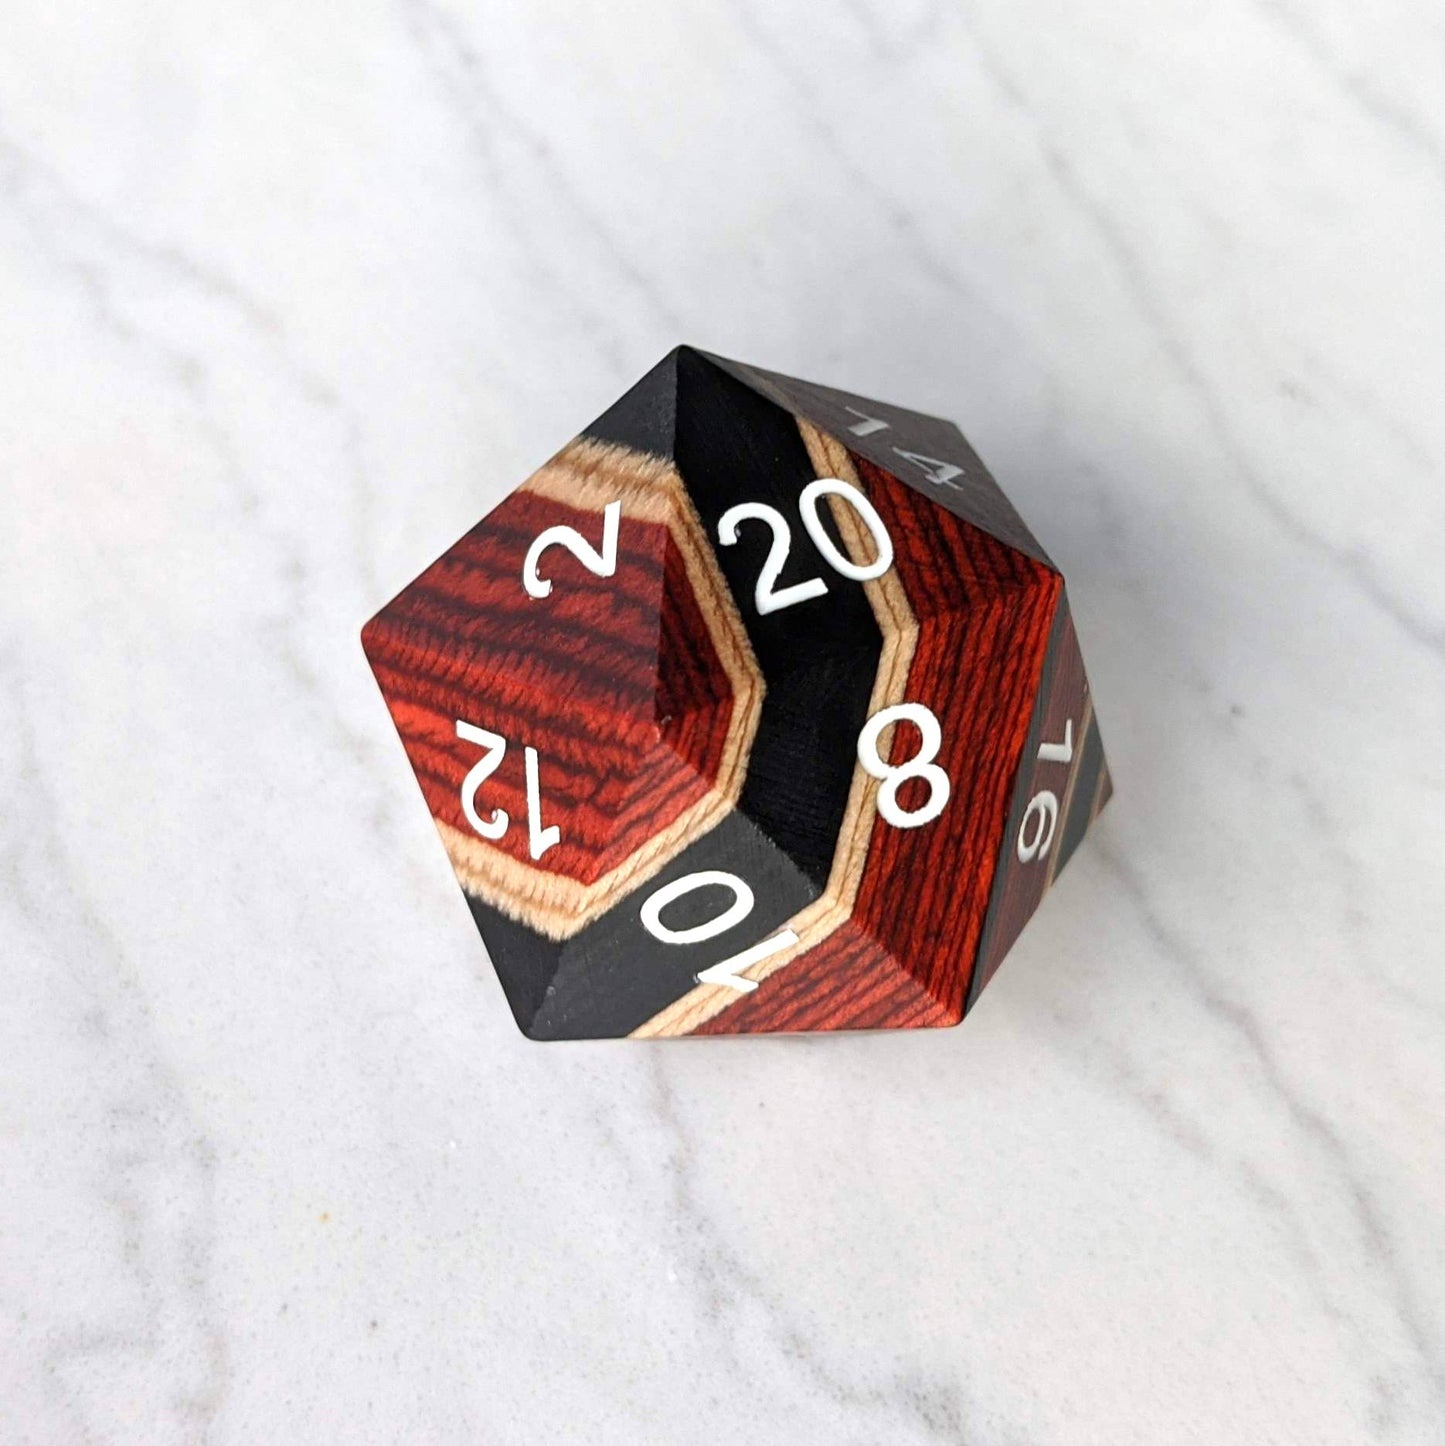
point(616, 681)
point(984, 612)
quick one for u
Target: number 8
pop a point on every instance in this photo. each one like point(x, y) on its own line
point(921, 765)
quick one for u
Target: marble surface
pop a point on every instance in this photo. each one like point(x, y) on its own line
point(290, 295)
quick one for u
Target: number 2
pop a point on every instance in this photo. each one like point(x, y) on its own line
point(768, 597)
point(601, 563)
point(480, 771)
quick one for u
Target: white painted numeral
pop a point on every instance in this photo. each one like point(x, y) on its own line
point(1041, 817)
point(868, 425)
point(921, 765)
point(480, 771)
point(882, 543)
point(726, 971)
point(539, 839)
point(1034, 844)
point(1059, 752)
point(602, 563)
point(735, 913)
point(766, 595)
point(730, 971)
point(935, 470)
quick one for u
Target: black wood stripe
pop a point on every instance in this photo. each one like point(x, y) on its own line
point(973, 495)
point(613, 975)
point(1081, 806)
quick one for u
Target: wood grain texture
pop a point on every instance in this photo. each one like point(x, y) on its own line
point(1082, 788)
point(893, 941)
point(817, 660)
point(639, 690)
point(971, 493)
point(899, 629)
point(691, 731)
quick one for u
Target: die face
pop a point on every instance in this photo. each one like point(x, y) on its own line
point(637, 691)
point(893, 943)
point(928, 453)
point(751, 760)
point(818, 658)
point(1063, 784)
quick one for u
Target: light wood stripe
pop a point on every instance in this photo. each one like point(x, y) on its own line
point(834, 906)
point(588, 475)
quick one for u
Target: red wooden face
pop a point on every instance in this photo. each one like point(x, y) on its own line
point(757, 708)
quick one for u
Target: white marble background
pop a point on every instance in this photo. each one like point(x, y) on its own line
point(289, 295)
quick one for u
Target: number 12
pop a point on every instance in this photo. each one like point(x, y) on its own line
point(539, 839)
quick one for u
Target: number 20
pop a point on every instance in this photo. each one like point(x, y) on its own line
point(769, 597)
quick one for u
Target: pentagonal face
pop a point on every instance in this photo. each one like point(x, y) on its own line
point(632, 697)
point(967, 620)
point(792, 812)
point(928, 453)
point(1062, 785)
point(818, 658)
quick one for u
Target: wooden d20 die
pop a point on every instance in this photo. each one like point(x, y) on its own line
point(757, 708)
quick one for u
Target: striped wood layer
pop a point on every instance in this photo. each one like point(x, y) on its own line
point(1082, 787)
point(638, 690)
point(966, 621)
